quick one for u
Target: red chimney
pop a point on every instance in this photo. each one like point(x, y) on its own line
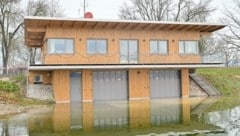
point(88, 15)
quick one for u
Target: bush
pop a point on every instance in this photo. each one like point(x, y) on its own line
point(8, 86)
point(20, 79)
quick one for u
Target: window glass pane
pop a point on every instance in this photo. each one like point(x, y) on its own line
point(123, 51)
point(59, 46)
point(191, 47)
point(153, 47)
point(133, 51)
point(69, 46)
point(124, 47)
point(181, 47)
point(133, 47)
point(51, 46)
point(102, 46)
point(162, 47)
point(91, 47)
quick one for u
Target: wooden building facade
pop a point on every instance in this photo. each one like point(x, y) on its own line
point(92, 60)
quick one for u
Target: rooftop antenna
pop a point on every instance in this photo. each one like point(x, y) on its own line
point(84, 7)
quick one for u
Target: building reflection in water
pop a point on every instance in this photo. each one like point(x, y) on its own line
point(121, 114)
point(96, 117)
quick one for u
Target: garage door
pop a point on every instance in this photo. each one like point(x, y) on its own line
point(110, 85)
point(75, 85)
point(165, 83)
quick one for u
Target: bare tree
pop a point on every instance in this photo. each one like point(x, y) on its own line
point(10, 15)
point(232, 19)
point(11, 23)
point(167, 10)
point(50, 8)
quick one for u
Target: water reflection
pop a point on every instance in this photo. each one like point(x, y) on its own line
point(119, 118)
point(227, 119)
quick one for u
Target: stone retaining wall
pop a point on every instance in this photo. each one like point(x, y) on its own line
point(195, 90)
point(40, 92)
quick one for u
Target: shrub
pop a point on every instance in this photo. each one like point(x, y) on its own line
point(8, 86)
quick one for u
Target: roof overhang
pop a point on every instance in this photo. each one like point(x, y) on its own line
point(101, 67)
point(35, 27)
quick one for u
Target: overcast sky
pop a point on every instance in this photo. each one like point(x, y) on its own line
point(108, 9)
point(101, 9)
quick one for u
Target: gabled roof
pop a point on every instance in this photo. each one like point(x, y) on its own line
point(35, 27)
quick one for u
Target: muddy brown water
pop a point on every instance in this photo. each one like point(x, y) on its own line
point(189, 116)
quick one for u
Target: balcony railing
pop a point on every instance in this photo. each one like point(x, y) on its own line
point(140, 58)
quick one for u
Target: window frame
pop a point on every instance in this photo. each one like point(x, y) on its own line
point(185, 46)
point(96, 46)
point(128, 49)
point(65, 44)
point(158, 46)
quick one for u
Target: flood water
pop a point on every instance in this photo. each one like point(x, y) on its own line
point(188, 116)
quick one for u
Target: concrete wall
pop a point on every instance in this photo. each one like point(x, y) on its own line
point(40, 92)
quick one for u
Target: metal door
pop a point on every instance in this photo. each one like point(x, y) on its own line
point(165, 83)
point(128, 51)
point(110, 85)
point(76, 86)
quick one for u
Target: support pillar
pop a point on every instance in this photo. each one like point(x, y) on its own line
point(185, 82)
point(87, 86)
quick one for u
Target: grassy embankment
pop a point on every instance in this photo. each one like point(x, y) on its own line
point(226, 80)
point(12, 90)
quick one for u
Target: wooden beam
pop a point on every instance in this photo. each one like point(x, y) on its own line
point(147, 26)
point(210, 29)
point(114, 27)
point(204, 28)
point(95, 25)
point(164, 27)
point(35, 35)
point(85, 24)
point(136, 26)
point(126, 26)
point(35, 30)
point(105, 26)
point(184, 28)
point(34, 44)
point(156, 26)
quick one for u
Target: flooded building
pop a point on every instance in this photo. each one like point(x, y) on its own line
point(90, 60)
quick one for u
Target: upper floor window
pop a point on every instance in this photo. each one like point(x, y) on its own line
point(96, 46)
point(188, 47)
point(60, 46)
point(158, 46)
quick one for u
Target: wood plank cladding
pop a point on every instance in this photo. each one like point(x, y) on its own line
point(46, 77)
point(87, 83)
point(61, 85)
point(139, 84)
point(80, 37)
point(185, 82)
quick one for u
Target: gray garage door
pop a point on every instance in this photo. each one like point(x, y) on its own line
point(165, 83)
point(75, 85)
point(110, 85)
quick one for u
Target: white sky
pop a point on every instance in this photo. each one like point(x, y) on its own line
point(108, 9)
point(101, 9)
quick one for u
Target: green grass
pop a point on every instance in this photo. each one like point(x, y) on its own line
point(11, 92)
point(8, 86)
point(226, 80)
